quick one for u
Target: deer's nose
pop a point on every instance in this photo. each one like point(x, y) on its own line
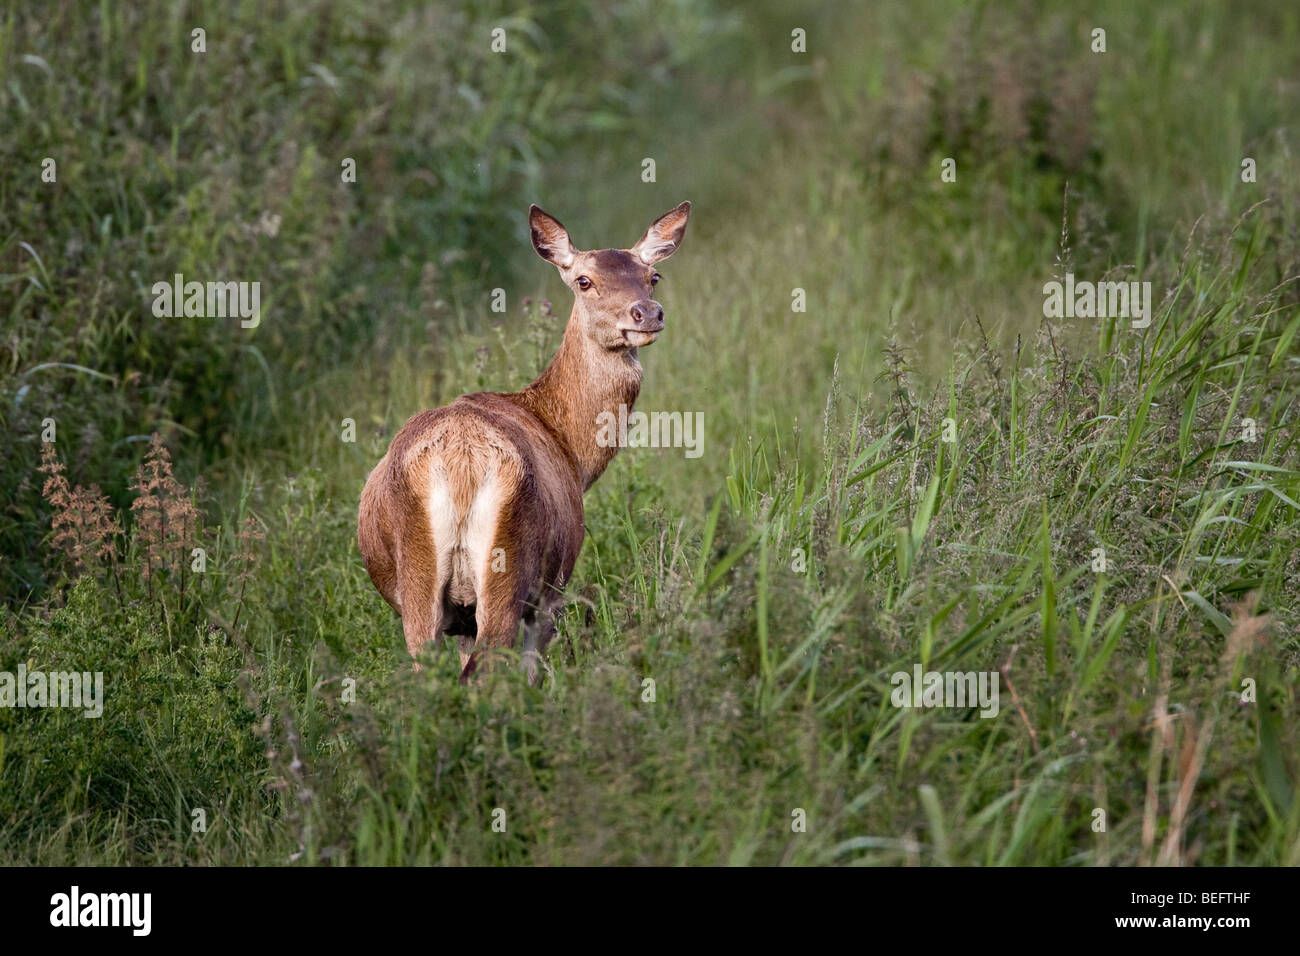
point(647, 314)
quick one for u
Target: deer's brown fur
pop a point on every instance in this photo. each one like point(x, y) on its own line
point(473, 520)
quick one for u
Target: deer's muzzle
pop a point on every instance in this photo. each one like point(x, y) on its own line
point(643, 323)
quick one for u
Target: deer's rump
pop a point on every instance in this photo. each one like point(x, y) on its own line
point(475, 511)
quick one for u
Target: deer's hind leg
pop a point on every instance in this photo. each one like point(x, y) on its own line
point(497, 617)
point(419, 584)
point(507, 569)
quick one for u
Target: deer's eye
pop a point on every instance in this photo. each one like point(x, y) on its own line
point(654, 279)
point(584, 283)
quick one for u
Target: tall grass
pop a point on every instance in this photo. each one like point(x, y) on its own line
point(724, 668)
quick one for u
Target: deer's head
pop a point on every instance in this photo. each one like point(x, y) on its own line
point(613, 289)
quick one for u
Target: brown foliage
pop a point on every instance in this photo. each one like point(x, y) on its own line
point(84, 523)
point(166, 521)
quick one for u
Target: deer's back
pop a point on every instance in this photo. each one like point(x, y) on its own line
point(477, 484)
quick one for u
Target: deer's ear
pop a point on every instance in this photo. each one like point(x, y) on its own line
point(550, 238)
point(664, 235)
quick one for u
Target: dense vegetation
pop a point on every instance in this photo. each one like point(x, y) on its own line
point(918, 469)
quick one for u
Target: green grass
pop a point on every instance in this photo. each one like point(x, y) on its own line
point(828, 537)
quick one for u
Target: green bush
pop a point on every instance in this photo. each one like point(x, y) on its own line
point(227, 166)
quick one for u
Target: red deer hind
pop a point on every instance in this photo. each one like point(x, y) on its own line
point(472, 522)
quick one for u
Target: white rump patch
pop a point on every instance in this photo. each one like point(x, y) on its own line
point(463, 542)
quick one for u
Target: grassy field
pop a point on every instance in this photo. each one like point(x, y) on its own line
point(918, 468)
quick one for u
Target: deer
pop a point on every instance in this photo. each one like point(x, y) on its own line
point(471, 523)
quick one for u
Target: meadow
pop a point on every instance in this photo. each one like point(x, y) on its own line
point(905, 462)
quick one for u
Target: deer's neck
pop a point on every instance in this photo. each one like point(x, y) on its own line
point(583, 383)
